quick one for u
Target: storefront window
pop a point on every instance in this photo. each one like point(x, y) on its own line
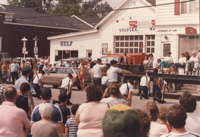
point(129, 44)
point(150, 43)
point(64, 54)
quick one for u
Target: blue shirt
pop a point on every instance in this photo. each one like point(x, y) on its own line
point(71, 125)
point(57, 115)
point(68, 65)
point(14, 67)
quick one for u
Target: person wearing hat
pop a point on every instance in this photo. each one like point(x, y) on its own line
point(121, 121)
point(37, 84)
point(66, 87)
point(23, 79)
point(46, 98)
point(97, 72)
point(14, 69)
point(46, 127)
point(191, 62)
point(166, 62)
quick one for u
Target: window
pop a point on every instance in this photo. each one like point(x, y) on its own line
point(129, 44)
point(189, 7)
point(150, 43)
point(183, 7)
point(64, 54)
point(166, 48)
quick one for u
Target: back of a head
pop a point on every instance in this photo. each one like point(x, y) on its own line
point(10, 93)
point(24, 88)
point(114, 89)
point(46, 110)
point(46, 93)
point(93, 93)
point(74, 108)
point(188, 102)
point(130, 81)
point(62, 97)
point(176, 116)
point(152, 108)
point(163, 111)
point(113, 62)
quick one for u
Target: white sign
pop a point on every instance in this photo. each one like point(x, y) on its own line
point(35, 50)
point(56, 52)
point(23, 50)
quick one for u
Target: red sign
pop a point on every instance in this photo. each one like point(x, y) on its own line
point(132, 24)
point(153, 23)
point(190, 30)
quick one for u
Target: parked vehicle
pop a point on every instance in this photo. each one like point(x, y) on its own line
point(54, 77)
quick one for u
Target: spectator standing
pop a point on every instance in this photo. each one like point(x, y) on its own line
point(114, 93)
point(145, 62)
point(61, 64)
point(32, 66)
point(190, 63)
point(66, 87)
point(81, 75)
point(97, 72)
point(46, 127)
point(145, 86)
point(181, 63)
point(4, 69)
point(124, 59)
point(14, 121)
point(9, 77)
point(41, 64)
point(156, 129)
point(25, 75)
point(22, 101)
point(46, 60)
point(150, 61)
point(45, 68)
point(189, 103)
point(75, 64)
point(163, 110)
point(104, 83)
point(71, 127)
point(177, 119)
point(23, 64)
point(14, 69)
point(89, 116)
point(68, 64)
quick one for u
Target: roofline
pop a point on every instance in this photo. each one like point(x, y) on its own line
point(20, 24)
point(72, 34)
point(82, 21)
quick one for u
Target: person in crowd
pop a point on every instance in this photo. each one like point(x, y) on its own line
point(46, 68)
point(70, 127)
point(65, 110)
point(156, 129)
point(14, 69)
point(145, 62)
point(150, 61)
point(66, 87)
point(46, 127)
point(46, 97)
point(114, 93)
point(4, 70)
point(9, 77)
point(68, 64)
point(145, 86)
point(163, 117)
point(81, 75)
point(25, 75)
point(53, 70)
point(181, 63)
point(22, 101)
point(61, 64)
point(126, 90)
point(167, 62)
point(50, 67)
point(145, 122)
point(46, 60)
point(32, 66)
point(121, 121)
point(89, 116)
point(23, 64)
point(13, 120)
point(124, 59)
point(41, 64)
point(187, 56)
point(97, 72)
point(35, 63)
point(2, 89)
point(177, 119)
point(37, 84)
point(189, 103)
point(104, 83)
point(156, 66)
point(190, 63)
point(75, 64)
point(197, 63)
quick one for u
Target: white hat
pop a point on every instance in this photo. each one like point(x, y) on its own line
point(46, 109)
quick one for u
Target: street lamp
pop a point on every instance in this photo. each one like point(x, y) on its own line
point(24, 46)
point(35, 48)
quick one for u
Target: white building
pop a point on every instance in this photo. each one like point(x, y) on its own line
point(172, 27)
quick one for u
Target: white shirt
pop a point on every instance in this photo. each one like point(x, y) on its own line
point(145, 62)
point(123, 89)
point(104, 80)
point(186, 134)
point(65, 83)
point(144, 80)
point(182, 60)
point(60, 64)
point(97, 70)
point(46, 61)
point(192, 123)
point(36, 79)
point(114, 101)
point(168, 59)
point(45, 67)
point(112, 73)
point(157, 130)
point(193, 58)
point(41, 62)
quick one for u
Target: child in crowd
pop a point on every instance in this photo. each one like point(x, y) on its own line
point(163, 116)
point(71, 127)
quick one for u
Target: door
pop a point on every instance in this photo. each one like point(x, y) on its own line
point(166, 48)
point(89, 53)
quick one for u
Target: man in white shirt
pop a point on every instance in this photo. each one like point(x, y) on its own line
point(190, 63)
point(113, 71)
point(97, 71)
point(189, 103)
point(181, 63)
point(14, 69)
point(177, 119)
point(66, 86)
point(145, 86)
point(37, 84)
point(41, 64)
point(126, 89)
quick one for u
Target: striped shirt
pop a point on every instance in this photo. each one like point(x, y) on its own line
point(2, 89)
point(71, 125)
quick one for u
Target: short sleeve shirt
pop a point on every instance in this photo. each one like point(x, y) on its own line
point(124, 88)
point(57, 115)
point(71, 125)
point(36, 79)
point(144, 81)
point(104, 80)
point(14, 67)
point(168, 59)
point(112, 74)
point(20, 81)
point(65, 82)
point(65, 112)
point(97, 70)
point(45, 67)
